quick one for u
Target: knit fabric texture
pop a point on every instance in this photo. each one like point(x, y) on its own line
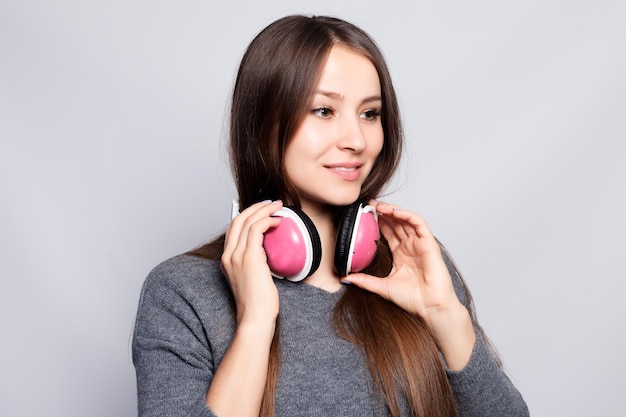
point(185, 322)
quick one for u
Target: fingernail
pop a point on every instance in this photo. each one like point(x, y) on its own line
point(345, 281)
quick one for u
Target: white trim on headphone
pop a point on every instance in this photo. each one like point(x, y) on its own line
point(234, 209)
point(351, 249)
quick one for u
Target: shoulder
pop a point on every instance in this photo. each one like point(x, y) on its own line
point(184, 270)
point(181, 295)
point(185, 277)
point(184, 317)
point(185, 266)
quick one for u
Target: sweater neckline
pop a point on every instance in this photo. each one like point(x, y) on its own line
point(303, 288)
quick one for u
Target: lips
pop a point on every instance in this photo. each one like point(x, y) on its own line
point(346, 171)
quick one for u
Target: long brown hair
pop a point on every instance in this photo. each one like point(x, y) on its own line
point(276, 79)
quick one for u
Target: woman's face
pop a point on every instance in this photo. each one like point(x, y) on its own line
point(333, 150)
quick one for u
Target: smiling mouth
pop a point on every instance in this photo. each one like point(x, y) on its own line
point(348, 173)
point(345, 166)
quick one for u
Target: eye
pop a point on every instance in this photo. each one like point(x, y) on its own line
point(323, 112)
point(371, 115)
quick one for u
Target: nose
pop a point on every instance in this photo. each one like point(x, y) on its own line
point(351, 137)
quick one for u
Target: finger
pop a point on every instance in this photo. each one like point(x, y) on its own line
point(370, 283)
point(249, 249)
point(257, 230)
point(388, 231)
point(390, 211)
point(237, 232)
point(252, 233)
point(236, 245)
point(413, 221)
point(395, 230)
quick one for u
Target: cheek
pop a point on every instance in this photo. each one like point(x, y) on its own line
point(306, 149)
point(296, 159)
point(288, 164)
point(376, 142)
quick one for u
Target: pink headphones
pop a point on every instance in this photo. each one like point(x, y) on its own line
point(294, 250)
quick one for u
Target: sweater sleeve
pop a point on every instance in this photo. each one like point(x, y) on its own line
point(172, 358)
point(482, 389)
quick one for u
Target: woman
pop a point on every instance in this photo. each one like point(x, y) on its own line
point(315, 126)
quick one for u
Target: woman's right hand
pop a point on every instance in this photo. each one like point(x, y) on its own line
point(244, 365)
point(244, 263)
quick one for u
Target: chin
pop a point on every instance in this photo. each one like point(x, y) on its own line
point(341, 199)
point(331, 196)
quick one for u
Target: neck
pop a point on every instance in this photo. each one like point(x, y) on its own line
point(325, 277)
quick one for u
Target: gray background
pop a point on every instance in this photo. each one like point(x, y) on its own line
point(112, 160)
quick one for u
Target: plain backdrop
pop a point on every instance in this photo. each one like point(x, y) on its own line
point(112, 159)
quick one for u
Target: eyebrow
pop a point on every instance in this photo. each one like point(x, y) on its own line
point(339, 97)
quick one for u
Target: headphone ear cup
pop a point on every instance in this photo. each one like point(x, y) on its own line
point(293, 248)
point(357, 238)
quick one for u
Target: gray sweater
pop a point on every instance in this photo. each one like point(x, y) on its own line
point(185, 323)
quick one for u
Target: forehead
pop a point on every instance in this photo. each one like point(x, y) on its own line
point(349, 70)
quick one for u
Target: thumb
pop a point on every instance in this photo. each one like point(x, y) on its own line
point(367, 282)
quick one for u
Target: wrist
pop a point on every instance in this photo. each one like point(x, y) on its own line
point(256, 328)
point(455, 336)
point(257, 313)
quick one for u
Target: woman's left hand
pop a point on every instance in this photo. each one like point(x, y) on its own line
point(420, 283)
